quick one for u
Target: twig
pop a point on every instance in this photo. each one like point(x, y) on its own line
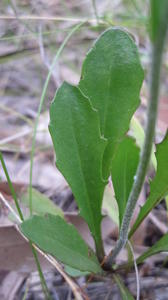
point(13, 5)
point(16, 113)
point(75, 288)
point(5, 202)
point(160, 225)
point(49, 18)
point(15, 136)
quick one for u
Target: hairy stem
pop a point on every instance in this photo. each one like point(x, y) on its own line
point(157, 51)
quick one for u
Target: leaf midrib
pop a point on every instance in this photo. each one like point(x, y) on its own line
point(82, 173)
point(70, 250)
point(106, 106)
point(52, 239)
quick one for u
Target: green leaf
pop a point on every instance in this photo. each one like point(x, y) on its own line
point(74, 272)
point(138, 133)
point(160, 246)
point(158, 186)
point(158, 11)
point(124, 292)
point(62, 240)
point(74, 128)
point(41, 204)
point(123, 170)
point(110, 206)
point(111, 78)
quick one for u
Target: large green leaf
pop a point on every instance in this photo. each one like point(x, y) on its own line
point(123, 170)
point(111, 78)
point(62, 240)
point(159, 185)
point(41, 204)
point(75, 131)
point(160, 246)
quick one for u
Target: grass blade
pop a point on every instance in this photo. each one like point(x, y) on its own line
point(42, 279)
point(11, 187)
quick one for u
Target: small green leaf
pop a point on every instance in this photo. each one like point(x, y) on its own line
point(123, 170)
point(124, 292)
point(74, 272)
point(138, 133)
point(160, 246)
point(41, 204)
point(62, 240)
point(111, 78)
point(158, 186)
point(75, 131)
point(110, 206)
